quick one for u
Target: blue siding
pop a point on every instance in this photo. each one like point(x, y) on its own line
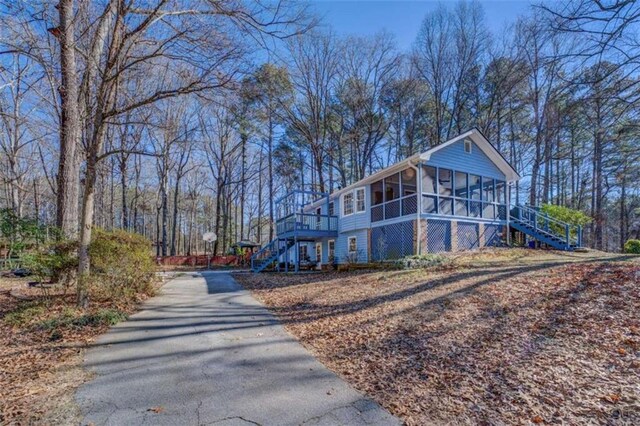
point(342, 242)
point(454, 157)
point(439, 239)
point(356, 220)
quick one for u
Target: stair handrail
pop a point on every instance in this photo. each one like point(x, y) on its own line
point(538, 214)
point(271, 246)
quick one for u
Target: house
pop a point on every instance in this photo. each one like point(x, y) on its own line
point(454, 196)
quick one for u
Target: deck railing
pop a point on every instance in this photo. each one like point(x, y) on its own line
point(538, 220)
point(403, 206)
point(307, 222)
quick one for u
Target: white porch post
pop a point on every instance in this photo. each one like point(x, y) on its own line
point(419, 212)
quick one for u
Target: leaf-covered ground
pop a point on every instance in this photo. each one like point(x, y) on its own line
point(501, 337)
point(41, 345)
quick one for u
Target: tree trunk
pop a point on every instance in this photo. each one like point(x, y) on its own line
point(270, 161)
point(68, 184)
point(175, 216)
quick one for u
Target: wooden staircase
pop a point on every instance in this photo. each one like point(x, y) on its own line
point(269, 254)
point(540, 226)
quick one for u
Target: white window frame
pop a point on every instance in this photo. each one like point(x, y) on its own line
point(467, 143)
point(319, 258)
point(305, 248)
point(329, 254)
point(344, 204)
point(349, 239)
point(356, 200)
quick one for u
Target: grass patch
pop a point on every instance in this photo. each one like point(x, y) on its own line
point(75, 318)
point(24, 314)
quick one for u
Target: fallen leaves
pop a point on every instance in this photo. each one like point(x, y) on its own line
point(508, 343)
point(40, 357)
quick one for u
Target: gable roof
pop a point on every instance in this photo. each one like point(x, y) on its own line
point(487, 148)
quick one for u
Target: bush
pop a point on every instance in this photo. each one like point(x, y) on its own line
point(18, 234)
point(420, 261)
point(121, 265)
point(632, 246)
point(58, 262)
point(565, 214)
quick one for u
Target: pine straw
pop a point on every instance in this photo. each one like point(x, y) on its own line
point(40, 367)
point(516, 344)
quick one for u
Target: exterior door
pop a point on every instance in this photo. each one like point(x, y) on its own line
point(319, 253)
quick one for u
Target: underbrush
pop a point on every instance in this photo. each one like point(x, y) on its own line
point(42, 338)
point(421, 261)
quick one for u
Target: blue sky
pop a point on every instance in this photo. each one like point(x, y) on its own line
point(403, 18)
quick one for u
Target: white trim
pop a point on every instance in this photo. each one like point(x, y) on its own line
point(329, 250)
point(343, 205)
point(469, 144)
point(485, 146)
point(355, 238)
point(364, 200)
point(319, 258)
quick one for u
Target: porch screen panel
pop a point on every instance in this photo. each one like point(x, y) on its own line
point(393, 241)
point(377, 193)
point(438, 235)
point(467, 236)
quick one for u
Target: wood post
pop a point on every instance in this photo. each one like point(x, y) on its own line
point(454, 235)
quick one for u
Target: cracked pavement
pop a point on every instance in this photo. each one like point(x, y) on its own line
point(205, 352)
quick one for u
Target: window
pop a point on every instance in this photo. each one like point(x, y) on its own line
point(461, 185)
point(353, 245)
point(408, 181)
point(304, 255)
point(332, 251)
point(475, 186)
point(392, 187)
point(332, 209)
point(467, 146)
point(319, 252)
point(376, 193)
point(360, 205)
point(429, 180)
point(347, 204)
point(445, 182)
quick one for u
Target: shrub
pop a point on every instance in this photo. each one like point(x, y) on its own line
point(57, 261)
point(18, 234)
point(565, 214)
point(121, 264)
point(632, 246)
point(420, 261)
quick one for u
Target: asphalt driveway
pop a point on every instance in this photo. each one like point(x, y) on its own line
point(206, 352)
